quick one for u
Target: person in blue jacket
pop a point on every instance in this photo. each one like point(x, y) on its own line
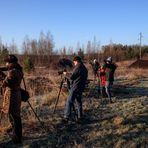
point(78, 81)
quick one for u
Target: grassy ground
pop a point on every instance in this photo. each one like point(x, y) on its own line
point(119, 124)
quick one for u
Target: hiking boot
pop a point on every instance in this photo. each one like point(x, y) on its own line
point(65, 120)
point(111, 101)
point(79, 120)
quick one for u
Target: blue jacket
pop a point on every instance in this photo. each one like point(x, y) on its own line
point(79, 78)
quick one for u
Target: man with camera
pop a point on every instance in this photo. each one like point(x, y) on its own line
point(12, 96)
point(78, 81)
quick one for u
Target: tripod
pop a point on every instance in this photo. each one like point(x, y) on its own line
point(41, 123)
point(93, 91)
point(57, 100)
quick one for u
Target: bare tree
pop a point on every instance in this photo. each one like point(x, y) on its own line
point(62, 52)
point(1, 44)
point(34, 47)
point(13, 48)
point(70, 51)
point(88, 48)
point(26, 45)
point(45, 46)
point(78, 46)
point(41, 50)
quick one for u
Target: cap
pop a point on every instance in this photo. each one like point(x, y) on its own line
point(109, 59)
point(11, 59)
point(95, 60)
point(77, 58)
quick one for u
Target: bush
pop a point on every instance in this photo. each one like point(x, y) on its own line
point(28, 65)
point(3, 54)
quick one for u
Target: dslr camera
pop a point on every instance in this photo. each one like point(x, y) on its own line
point(62, 71)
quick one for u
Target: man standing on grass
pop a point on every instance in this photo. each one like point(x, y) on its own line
point(110, 70)
point(78, 81)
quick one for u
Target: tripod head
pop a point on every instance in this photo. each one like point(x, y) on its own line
point(64, 80)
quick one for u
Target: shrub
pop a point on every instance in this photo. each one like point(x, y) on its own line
point(28, 65)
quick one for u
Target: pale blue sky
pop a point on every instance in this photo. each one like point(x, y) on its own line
point(72, 21)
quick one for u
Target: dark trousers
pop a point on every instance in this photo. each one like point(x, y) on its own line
point(95, 76)
point(103, 92)
point(16, 125)
point(70, 102)
point(108, 89)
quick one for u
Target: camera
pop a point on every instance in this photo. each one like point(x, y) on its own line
point(62, 71)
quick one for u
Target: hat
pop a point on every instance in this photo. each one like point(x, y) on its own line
point(95, 60)
point(109, 59)
point(11, 59)
point(77, 58)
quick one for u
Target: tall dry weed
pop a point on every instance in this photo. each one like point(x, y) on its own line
point(124, 72)
point(131, 73)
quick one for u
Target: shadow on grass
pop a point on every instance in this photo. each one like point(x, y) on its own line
point(130, 91)
point(139, 119)
point(97, 118)
point(118, 91)
point(129, 139)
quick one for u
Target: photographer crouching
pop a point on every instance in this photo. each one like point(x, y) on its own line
point(78, 81)
point(12, 96)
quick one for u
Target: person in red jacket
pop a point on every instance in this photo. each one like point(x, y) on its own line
point(102, 75)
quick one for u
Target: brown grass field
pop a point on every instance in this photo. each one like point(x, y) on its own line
point(122, 124)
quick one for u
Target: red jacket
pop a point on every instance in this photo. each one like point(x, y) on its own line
point(102, 72)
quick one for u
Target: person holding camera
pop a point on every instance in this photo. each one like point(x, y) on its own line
point(12, 96)
point(78, 81)
point(102, 77)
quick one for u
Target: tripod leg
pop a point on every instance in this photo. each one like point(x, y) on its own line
point(41, 123)
point(91, 92)
point(58, 96)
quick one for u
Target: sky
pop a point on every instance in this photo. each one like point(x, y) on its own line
point(73, 21)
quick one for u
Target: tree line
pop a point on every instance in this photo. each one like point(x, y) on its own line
point(41, 51)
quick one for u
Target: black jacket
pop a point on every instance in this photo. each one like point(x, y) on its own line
point(79, 77)
point(95, 66)
point(110, 70)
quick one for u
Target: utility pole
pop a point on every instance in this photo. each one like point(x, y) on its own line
point(111, 47)
point(98, 50)
point(140, 38)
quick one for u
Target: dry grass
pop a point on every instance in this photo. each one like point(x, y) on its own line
point(121, 124)
point(130, 73)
